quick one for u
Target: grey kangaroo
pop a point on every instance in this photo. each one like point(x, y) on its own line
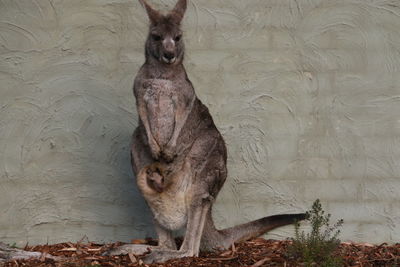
point(178, 154)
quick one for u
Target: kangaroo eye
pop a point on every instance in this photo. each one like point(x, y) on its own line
point(156, 37)
point(178, 38)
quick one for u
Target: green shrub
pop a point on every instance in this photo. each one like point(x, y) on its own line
point(317, 247)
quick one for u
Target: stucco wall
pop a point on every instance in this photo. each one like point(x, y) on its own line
point(306, 94)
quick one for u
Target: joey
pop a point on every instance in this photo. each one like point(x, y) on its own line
point(155, 177)
point(177, 153)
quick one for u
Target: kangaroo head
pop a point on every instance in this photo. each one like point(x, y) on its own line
point(164, 42)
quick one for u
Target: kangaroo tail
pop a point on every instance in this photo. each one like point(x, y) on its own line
point(258, 227)
point(225, 238)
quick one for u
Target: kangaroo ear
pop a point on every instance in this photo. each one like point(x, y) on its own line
point(153, 14)
point(179, 10)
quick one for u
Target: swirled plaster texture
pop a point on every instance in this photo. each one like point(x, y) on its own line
point(306, 94)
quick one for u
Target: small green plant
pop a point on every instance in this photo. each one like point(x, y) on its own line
point(13, 245)
point(317, 247)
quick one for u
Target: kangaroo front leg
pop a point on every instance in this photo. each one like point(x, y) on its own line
point(193, 234)
point(181, 115)
point(154, 147)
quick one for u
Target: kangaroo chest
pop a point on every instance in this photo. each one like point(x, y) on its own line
point(161, 98)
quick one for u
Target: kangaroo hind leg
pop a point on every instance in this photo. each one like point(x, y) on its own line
point(194, 231)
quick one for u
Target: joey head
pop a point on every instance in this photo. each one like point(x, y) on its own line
point(155, 177)
point(177, 153)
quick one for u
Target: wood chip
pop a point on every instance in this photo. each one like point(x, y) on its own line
point(139, 241)
point(256, 253)
point(93, 249)
point(226, 253)
point(91, 258)
point(132, 258)
point(261, 262)
point(223, 259)
point(68, 249)
point(43, 257)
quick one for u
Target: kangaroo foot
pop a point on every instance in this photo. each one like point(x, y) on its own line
point(135, 249)
point(159, 255)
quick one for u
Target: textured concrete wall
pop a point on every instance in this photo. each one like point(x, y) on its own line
point(306, 94)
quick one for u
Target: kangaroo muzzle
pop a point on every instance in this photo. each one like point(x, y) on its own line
point(168, 55)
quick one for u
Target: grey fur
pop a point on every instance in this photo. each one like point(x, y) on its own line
point(178, 154)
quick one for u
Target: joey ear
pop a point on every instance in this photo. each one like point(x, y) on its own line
point(153, 14)
point(179, 10)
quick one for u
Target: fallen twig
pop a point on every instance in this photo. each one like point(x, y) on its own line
point(8, 253)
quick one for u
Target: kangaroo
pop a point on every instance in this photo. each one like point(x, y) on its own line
point(177, 153)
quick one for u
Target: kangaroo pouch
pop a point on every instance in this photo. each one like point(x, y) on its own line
point(160, 97)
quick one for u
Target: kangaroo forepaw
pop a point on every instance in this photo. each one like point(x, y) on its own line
point(155, 153)
point(169, 151)
point(135, 249)
point(154, 149)
point(169, 155)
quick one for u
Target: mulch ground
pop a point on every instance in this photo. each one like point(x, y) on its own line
point(255, 253)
